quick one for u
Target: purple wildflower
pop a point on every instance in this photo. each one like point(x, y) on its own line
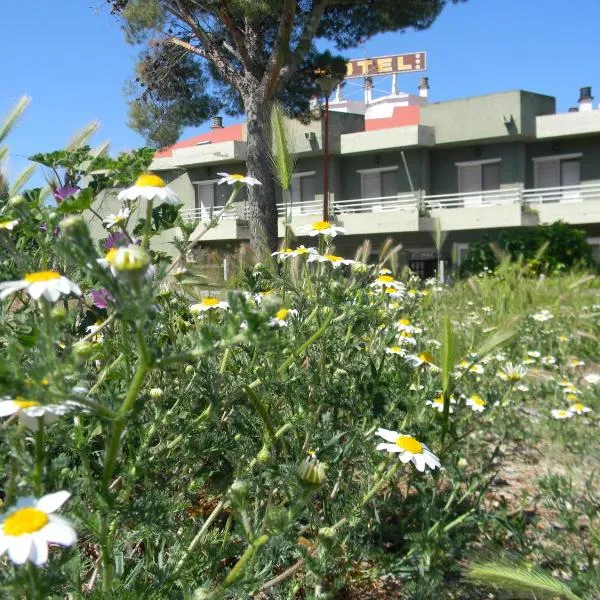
point(116, 240)
point(64, 192)
point(101, 298)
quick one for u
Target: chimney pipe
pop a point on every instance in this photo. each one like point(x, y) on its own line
point(573, 109)
point(424, 87)
point(585, 99)
point(368, 90)
point(217, 123)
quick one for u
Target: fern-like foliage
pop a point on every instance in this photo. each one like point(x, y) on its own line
point(282, 159)
point(520, 580)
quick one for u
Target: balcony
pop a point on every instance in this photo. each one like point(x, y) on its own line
point(417, 212)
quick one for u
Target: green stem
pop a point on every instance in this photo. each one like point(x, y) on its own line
point(238, 569)
point(39, 458)
point(148, 225)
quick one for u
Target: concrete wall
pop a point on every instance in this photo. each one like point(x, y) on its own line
point(486, 117)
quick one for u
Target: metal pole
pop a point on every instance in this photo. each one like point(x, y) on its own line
point(326, 162)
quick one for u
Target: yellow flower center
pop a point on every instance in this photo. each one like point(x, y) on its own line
point(571, 397)
point(385, 279)
point(22, 404)
point(149, 180)
point(333, 258)
point(210, 301)
point(405, 334)
point(45, 381)
point(109, 256)
point(562, 413)
point(41, 276)
point(6, 224)
point(395, 349)
point(425, 357)
point(439, 400)
point(25, 520)
point(478, 400)
point(301, 250)
point(282, 313)
point(409, 444)
point(321, 225)
point(404, 322)
point(287, 250)
point(578, 406)
point(237, 177)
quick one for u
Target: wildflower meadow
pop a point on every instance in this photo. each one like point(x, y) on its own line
point(321, 427)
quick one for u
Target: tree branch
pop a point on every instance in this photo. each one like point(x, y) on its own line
point(281, 48)
point(237, 36)
point(305, 41)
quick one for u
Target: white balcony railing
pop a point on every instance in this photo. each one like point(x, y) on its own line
point(565, 194)
point(502, 197)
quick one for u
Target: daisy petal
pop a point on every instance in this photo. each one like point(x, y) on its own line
point(52, 502)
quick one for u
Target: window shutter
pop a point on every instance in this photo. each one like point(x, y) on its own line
point(371, 185)
point(389, 183)
point(469, 179)
point(547, 173)
point(307, 184)
point(206, 198)
point(490, 174)
point(570, 172)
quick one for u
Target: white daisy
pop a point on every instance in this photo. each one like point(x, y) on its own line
point(395, 350)
point(512, 373)
point(422, 359)
point(406, 338)
point(132, 259)
point(438, 403)
point(476, 402)
point(592, 378)
point(282, 316)
point(8, 225)
point(408, 449)
point(385, 271)
point(321, 228)
point(27, 528)
point(235, 178)
point(332, 259)
point(299, 251)
point(579, 408)
point(404, 325)
point(387, 281)
point(534, 354)
point(548, 360)
point(30, 411)
point(559, 413)
point(575, 362)
point(48, 284)
point(150, 187)
point(121, 217)
point(543, 315)
point(209, 303)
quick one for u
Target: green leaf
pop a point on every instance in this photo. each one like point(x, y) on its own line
point(78, 203)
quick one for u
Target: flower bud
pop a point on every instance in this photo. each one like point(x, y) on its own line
point(189, 370)
point(16, 201)
point(263, 456)
point(156, 393)
point(83, 350)
point(58, 313)
point(73, 226)
point(311, 470)
point(131, 260)
point(238, 492)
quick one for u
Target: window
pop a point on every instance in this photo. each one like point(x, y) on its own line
point(303, 191)
point(211, 197)
point(378, 183)
point(557, 171)
point(594, 242)
point(460, 252)
point(478, 176)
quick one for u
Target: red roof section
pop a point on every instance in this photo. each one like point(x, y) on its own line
point(402, 116)
point(219, 134)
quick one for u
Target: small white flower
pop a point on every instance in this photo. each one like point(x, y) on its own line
point(422, 359)
point(438, 403)
point(399, 351)
point(534, 354)
point(150, 187)
point(592, 378)
point(575, 362)
point(335, 261)
point(548, 360)
point(404, 325)
point(299, 251)
point(209, 304)
point(235, 178)
point(543, 315)
point(559, 413)
point(512, 373)
point(27, 528)
point(30, 411)
point(50, 285)
point(387, 282)
point(408, 449)
point(282, 316)
point(579, 409)
point(406, 338)
point(8, 225)
point(321, 228)
point(121, 217)
point(476, 402)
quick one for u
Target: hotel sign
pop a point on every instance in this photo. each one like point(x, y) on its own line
point(386, 65)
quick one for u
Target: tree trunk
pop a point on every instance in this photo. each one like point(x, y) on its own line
point(262, 209)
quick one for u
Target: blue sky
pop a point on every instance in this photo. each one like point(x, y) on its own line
point(71, 58)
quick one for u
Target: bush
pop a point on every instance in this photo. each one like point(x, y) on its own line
point(545, 249)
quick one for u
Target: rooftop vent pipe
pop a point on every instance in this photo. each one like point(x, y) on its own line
point(217, 123)
point(424, 87)
point(585, 99)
